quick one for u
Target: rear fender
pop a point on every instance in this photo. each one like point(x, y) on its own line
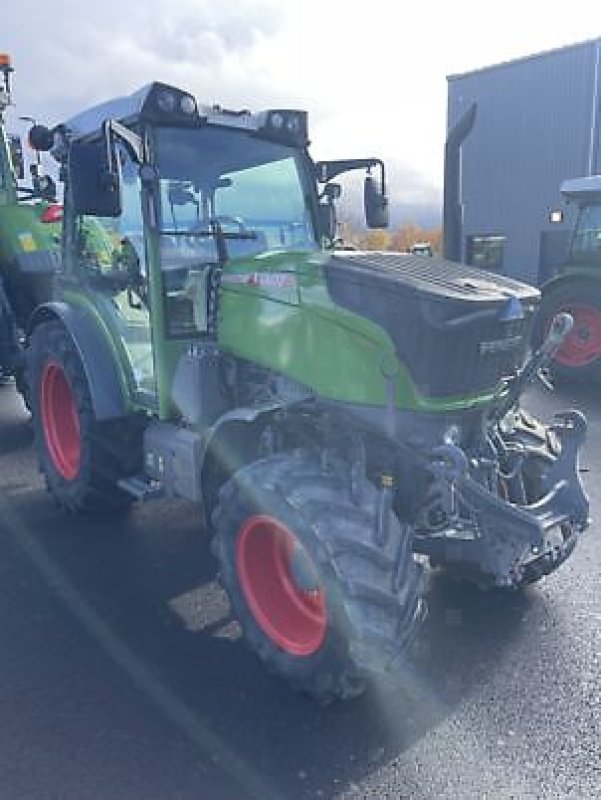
point(569, 279)
point(100, 368)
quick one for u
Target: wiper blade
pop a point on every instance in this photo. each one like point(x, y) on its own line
point(206, 234)
point(239, 235)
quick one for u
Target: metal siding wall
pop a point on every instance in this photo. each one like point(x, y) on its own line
point(532, 131)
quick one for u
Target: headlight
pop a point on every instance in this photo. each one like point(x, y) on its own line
point(187, 104)
point(508, 423)
point(277, 120)
point(293, 125)
point(452, 435)
point(166, 102)
point(286, 126)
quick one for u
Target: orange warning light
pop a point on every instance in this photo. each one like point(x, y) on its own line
point(4, 60)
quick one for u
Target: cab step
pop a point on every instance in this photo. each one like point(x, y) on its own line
point(141, 488)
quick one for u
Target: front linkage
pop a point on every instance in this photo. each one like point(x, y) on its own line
point(512, 514)
point(509, 509)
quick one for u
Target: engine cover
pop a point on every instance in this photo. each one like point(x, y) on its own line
point(457, 329)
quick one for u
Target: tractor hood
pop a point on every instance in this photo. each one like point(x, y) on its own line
point(458, 330)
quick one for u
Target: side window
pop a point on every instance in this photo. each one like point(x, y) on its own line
point(587, 235)
point(486, 252)
point(114, 247)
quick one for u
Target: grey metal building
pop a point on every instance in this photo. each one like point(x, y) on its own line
point(515, 132)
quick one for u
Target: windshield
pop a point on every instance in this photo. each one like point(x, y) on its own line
point(586, 243)
point(254, 189)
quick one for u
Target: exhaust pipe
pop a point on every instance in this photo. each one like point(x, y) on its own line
point(452, 212)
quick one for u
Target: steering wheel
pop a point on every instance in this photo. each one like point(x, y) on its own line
point(231, 220)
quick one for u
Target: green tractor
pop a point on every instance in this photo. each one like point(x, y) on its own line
point(577, 288)
point(29, 240)
point(341, 418)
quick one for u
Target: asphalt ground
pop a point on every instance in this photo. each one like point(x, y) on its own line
point(122, 674)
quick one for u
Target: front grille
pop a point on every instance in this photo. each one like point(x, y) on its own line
point(469, 360)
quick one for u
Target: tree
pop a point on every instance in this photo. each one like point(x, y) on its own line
point(377, 239)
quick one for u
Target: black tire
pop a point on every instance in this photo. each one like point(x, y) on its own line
point(369, 591)
point(82, 468)
point(579, 359)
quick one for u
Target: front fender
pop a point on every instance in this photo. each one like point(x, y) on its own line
point(103, 378)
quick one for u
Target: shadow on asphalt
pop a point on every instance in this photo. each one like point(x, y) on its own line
point(585, 397)
point(16, 432)
point(151, 578)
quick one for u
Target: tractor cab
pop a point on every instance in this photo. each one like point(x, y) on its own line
point(163, 195)
point(585, 245)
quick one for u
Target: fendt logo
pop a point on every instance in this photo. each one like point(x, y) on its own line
point(499, 345)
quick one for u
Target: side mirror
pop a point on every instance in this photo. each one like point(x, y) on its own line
point(41, 138)
point(326, 220)
point(376, 204)
point(94, 175)
point(16, 156)
point(44, 186)
point(333, 191)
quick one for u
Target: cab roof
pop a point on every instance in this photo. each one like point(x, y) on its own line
point(582, 189)
point(145, 103)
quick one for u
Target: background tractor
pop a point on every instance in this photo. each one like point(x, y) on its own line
point(340, 417)
point(577, 288)
point(421, 249)
point(29, 239)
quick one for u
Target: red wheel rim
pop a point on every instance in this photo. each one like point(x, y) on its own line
point(583, 344)
point(60, 421)
point(293, 618)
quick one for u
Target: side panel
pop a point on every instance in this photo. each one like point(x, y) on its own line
point(333, 352)
point(283, 318)
point(23, 234)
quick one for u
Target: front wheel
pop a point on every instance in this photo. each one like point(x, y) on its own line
point(81, 458)
point(322, 600)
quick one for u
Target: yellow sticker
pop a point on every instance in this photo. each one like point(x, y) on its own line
point(27, 241)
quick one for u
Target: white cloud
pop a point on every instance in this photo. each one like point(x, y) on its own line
point(371, 75)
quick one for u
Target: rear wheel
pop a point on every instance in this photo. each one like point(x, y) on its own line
point(82, 458)
point(321, 601)
point(579, 357)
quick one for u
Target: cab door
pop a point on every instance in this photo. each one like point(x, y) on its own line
point(112, 269)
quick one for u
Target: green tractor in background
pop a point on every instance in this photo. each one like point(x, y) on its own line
point(340, 417)
point(577, 288)
point(29, 240)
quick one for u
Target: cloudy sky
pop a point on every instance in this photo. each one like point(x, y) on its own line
point(372, 75)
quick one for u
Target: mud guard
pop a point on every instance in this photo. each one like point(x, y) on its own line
point(9, 350)
point(99, 365)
